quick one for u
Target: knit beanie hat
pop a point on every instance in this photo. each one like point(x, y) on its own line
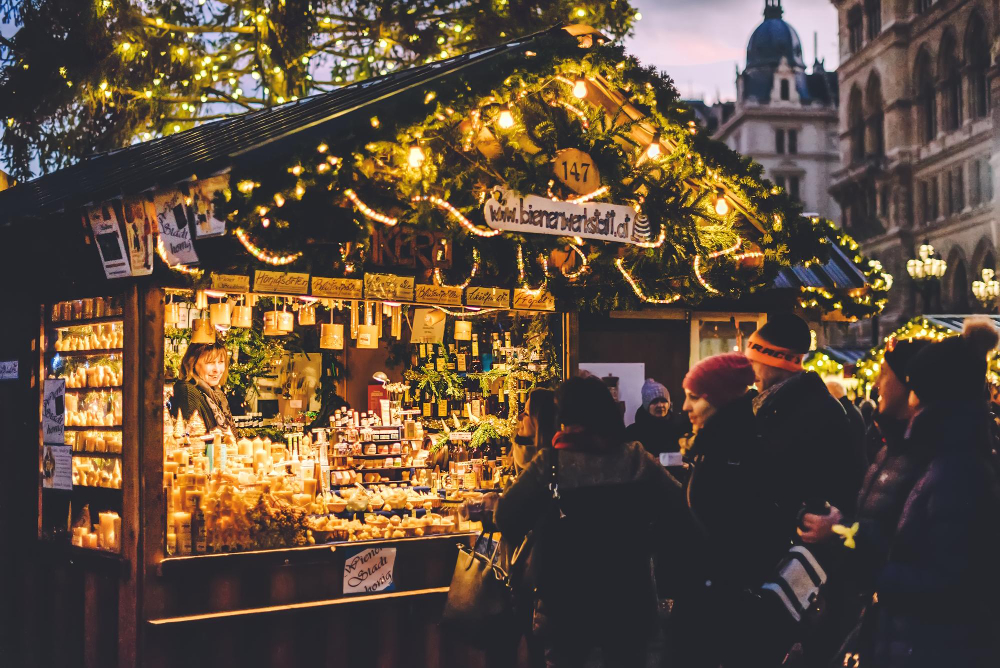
point(899, 353)
point(782, 342)
point(720, 378)
point(955, 368)
point(651, 391)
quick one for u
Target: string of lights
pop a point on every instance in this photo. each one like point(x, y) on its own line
point(183, 269)
point(638, 291)
point(368, 212)
point(464, 284)
point(263, 255)
point(456, 215)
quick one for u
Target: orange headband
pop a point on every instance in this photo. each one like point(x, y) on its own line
point(759, 350)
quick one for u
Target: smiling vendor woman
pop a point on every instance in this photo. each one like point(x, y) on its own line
point(204, 371)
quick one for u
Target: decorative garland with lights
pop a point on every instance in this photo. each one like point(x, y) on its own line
point(459, 141)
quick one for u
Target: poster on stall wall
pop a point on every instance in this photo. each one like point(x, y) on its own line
point(174, 226)
point(108, 235)
point(57, 467)
point(139, 222)
point(203, 192)
point(54, 412)
point(428, 326)
point(369, 569)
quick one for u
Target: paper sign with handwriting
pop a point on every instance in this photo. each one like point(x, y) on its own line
point(338, 288)
point(281, 282)
point(487, 297)
point(8, 369)
point(428, 326)
point(172, 217)
point(531, 214)
point(438, 294)
point(368, 570)
point(534, 300)
point(389, 286)
point(230, 283)
point(54, 411)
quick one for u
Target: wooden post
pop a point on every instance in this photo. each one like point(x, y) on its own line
point(131, 523)
point(570, 344)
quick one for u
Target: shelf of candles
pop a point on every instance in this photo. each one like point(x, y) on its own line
point(82, 322)
point(96, 455)
point(95, 428)
point(97, 352)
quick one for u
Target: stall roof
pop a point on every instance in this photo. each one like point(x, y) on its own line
point(954, 322)
point(846, 356)
point(212, 147)
point(837, 273)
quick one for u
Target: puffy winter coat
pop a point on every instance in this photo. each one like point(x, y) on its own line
point(657, 434)
point(809, 452)
point(594, 571)
point(937, 594)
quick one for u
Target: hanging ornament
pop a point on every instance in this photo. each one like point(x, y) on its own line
point(202, 331)
point(242, 316)
point(355, 306)
point(286, 321)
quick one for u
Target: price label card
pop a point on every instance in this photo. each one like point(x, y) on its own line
point(338, 288)
point(369, 570)
point(487, 297)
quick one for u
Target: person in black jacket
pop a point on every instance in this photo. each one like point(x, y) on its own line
point(657, 426)
point(890, 478)
point(937, 592)
point(809, 454)
point(858, 427)
point(726, 501)
point(594, 586)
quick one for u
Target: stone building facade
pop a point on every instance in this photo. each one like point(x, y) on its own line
point(785, 117)
point(917, 147)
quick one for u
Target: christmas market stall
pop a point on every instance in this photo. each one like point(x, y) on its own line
point(259, 374)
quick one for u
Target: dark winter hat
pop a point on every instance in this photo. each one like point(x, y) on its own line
point(782, 342)
point(954, 369)
point(898, 354)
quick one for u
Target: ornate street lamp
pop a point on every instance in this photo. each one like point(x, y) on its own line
point(986, 290)
point(927, 267)
point(926, 272)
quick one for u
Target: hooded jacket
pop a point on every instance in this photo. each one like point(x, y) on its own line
point(937, 592)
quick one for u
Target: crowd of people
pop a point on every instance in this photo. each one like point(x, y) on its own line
point(794, 534)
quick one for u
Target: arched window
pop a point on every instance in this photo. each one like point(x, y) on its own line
point(950, 78)
point(785, 89)
point(977, 55)
point(856, 125)
point(960, 289)
point(923, 85)
point(875, 117)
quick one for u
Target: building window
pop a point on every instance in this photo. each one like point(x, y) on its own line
point(876, 117)
point(926, 98)
point(855, 29)
point(977, 55)
point(793, 187)
point(959, 173)
point(921, 6)
point(793, 142)
point(779, 141)
point(987, 181)
point(883, 202)
point(785, 89)
point(925, 202)
point(873, 16)
point(935, 209)
point(856, 126)
point(975, 183)
point(951, 84)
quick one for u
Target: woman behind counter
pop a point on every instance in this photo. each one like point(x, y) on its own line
point(204, 371)
point(536, 427)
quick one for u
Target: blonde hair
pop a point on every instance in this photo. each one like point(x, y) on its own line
point(196, 351)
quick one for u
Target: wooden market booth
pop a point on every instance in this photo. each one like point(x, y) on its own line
point(89, 304)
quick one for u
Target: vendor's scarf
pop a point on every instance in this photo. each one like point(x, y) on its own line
point(217, 401)
point(580, 441)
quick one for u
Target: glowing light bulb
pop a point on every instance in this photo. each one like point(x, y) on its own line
point(265, 222)
point(580, 89)
point(721, 205)
point(416, 157)
point(375, 121)
point(506, 119)
point(580, 13)
point(296, 170)
point(279, 199)
point(653, 150)
point(322, 148)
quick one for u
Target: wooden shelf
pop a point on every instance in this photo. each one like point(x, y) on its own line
point(97, 428)
point(90, 488)
point(63, 324)
point(84, 353)
point(84, 390)
point(97, 455)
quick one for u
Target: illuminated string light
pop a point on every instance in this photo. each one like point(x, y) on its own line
point(183, 269)
point(534, 292)
point(506, 119)
point(580, 89)
point(471, 313)
point(576, 111)
point(464, 284)
point(263, 255)
point(660, 240)
point(638, 291)
point(456, 214)
point(368, 212)
point(584, 268)
point(653, 150)
point(416, 156)
point(583, 199)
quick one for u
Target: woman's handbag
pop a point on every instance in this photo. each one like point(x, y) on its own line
point(479, 603)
